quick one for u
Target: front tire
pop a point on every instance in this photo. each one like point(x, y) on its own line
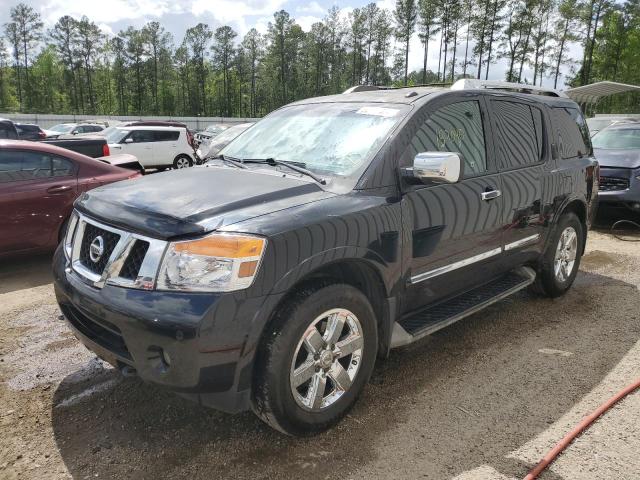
point(315, 359)
point(561, 259)
point(182, 161)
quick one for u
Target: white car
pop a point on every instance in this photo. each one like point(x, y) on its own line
point(154, 147)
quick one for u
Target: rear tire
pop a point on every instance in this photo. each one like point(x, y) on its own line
point(299, 392)
point(182, 161)
point(561, 259)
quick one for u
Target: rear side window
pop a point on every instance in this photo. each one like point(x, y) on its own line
point(166, 136)
point(519, 134)
point(17, 165)
point(455, 128)
point(142, 136)
point(573, 134)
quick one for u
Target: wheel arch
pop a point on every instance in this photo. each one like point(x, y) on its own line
point(365, 274)
point(579, 209)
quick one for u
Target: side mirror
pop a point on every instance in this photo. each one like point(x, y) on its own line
point(128, 140)
point(435, 167)
point(75, 132)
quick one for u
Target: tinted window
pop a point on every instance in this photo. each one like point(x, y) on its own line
point(519, 134)
point(7, 131)
point(166, 136)
point(141, 136)
point(455, 128)
point(19, 165)
point(573, 134)
point(93, 128)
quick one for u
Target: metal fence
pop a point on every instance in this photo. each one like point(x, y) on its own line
point(47, 120)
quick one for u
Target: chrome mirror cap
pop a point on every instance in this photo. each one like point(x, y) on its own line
point(437, 167)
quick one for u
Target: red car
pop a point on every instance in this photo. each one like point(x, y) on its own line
point(38, 185)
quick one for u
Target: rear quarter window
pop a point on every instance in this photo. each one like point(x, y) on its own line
point(572, 131)
point(166, 136)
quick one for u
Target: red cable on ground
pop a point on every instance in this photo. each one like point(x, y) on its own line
point(586, 421)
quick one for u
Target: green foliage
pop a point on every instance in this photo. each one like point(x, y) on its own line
point(74, 67)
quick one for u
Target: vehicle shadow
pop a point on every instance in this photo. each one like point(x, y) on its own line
point(25, 272)
point(464, 397)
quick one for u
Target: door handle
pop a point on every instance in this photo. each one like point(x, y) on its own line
point(59, 189)
point(490, 195)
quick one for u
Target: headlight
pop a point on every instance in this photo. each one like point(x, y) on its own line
point(216, 263)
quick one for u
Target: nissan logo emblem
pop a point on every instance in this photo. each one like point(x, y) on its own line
point(96, 249)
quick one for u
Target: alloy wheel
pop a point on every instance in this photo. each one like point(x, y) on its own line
point(566, 252)
point(327, 359)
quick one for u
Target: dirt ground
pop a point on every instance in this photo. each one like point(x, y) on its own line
point(482, 399)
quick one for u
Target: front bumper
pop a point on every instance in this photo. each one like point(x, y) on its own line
point(203, 336)
point(623, 198)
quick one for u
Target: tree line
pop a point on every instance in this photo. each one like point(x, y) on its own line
point(74, 67)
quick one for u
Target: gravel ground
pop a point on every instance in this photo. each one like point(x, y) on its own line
point(483, 399)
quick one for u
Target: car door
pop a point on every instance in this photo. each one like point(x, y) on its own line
point(140, 143)
point(165, 146)
point(453, 230)
point(37, 191)
point(523, 151)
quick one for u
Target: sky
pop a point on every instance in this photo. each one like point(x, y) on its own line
point(176, 16)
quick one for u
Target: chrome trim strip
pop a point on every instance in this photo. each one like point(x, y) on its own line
point(454, 266)
point(522, 242)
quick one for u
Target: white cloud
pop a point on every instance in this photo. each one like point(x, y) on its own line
point(311, 8)
point(306, 21)
point(106, 12)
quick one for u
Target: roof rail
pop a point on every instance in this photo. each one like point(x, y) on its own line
point(369, 88)
point(471, 83)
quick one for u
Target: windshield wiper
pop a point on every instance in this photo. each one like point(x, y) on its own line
point(296, 166)
point(230, 160)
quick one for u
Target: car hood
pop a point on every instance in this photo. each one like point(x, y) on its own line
point(617, 158)
point(195, 200)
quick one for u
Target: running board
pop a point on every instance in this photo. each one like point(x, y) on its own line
point(443, 314)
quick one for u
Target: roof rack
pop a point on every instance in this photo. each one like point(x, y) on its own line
point(470, 83)
point(369, 88)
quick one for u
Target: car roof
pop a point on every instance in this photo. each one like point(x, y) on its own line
point(422, 94)
point(147, 127)
point(627, 125)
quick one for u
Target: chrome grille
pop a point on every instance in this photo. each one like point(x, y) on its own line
point(109, 241)
point(610, 184)
point(127, 259)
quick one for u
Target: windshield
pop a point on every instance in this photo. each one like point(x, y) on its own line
point(62, 127)
point(116, 135)
point(330, 138)
point(617, 138)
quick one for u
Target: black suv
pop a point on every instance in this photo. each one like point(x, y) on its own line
point(331, 231)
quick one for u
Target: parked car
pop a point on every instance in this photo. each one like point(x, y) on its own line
point(333, 230)
point(617, 149)
point(38, 185)
point(63, 129)
point(212, 146)
point(8, 129)
point(98, 148)
point(150, 123)
point(600, 122)
point(29, 131)
point(155, 147)
point(210, 132)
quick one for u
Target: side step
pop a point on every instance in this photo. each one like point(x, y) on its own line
point(443, 314)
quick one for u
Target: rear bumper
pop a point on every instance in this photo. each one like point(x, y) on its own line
point(191, 343)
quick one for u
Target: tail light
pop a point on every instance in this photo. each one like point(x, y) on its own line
point(41, 134)
point(105, 150)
